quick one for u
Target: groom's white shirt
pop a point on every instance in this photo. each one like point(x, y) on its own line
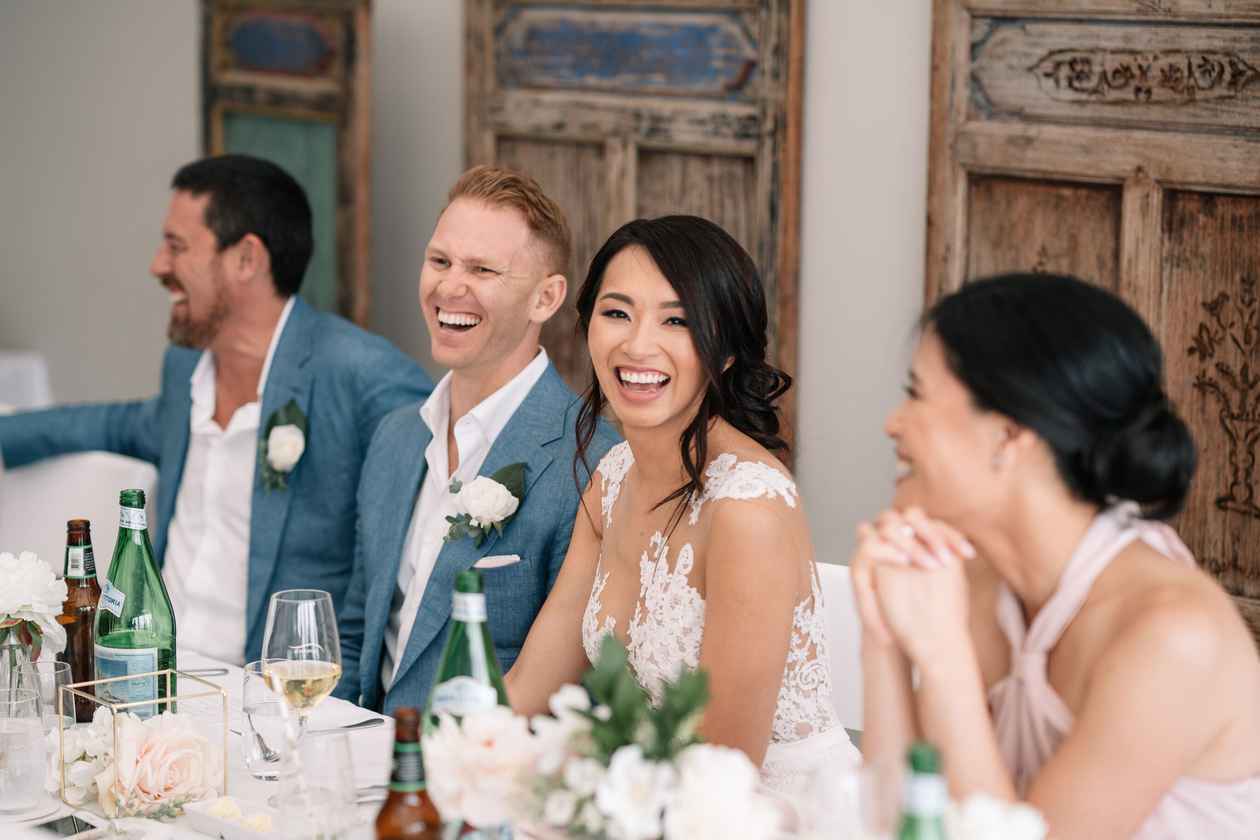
point(475, 434)
point(207, 553)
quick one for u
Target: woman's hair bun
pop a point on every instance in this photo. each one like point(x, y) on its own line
point(1148, 457)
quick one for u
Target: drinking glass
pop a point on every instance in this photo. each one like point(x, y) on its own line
point(22, 745)
point(263, 739)
point(50, 676)
point(318, 799)
point(301, 649)
point(861, 802)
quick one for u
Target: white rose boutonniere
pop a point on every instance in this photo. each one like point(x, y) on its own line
point(282, 445)
point(486, 503)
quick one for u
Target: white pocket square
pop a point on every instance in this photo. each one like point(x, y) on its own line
point(496, 561)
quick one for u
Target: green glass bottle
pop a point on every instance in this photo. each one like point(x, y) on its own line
point(469, 677)
point(135, 625)
point(925, 795)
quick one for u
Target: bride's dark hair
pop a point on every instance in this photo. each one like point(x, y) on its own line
point(725, 305)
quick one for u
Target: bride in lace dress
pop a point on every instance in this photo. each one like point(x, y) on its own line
point(692, 547)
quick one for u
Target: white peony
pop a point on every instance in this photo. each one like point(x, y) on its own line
point(633, 794)
point(478, 769)
point(716, 797)
point(983, 817)
point(486, 501)
point(563, 733)
point(30, 591)
point(285, 446)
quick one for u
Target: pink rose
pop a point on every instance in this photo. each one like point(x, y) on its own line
point(160, 764)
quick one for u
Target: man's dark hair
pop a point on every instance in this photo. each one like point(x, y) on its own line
point(251, 195)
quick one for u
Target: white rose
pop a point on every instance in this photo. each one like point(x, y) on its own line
point(160, 761)
point(583, 776)
point(634, 793)
point(560, 808)
point(285, 446)
point(486, 501)
point(566, 734)
point(716, 798)
point(983, 817)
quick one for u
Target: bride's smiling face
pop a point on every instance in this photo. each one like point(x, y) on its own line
point(642, 351)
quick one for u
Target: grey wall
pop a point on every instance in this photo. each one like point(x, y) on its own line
point(101, 105)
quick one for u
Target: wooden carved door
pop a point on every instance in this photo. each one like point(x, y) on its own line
point(1119, 140)
point(642, 108)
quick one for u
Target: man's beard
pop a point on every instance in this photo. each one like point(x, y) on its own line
point(197, 334)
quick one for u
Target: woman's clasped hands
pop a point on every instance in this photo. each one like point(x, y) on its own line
point(910, 583)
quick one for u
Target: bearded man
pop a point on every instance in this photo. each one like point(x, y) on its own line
point(266, 410)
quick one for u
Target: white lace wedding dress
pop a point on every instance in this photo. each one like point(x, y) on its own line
point(664, 634)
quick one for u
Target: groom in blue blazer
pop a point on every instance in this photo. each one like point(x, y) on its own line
point(492, 276)
point(242, 513)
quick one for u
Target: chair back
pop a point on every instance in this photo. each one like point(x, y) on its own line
point(36, 501)
point(844, 637)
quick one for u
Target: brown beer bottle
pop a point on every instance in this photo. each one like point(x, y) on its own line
point(408, 813)
point(78, 612)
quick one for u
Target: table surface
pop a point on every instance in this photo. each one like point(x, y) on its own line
point(371, 749)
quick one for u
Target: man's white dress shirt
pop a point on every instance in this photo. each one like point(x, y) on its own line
point(207, 552)
point(475, 434)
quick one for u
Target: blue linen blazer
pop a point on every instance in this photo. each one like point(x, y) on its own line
point(344, 379)
point(541, 434)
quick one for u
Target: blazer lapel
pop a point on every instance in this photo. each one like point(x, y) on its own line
point(524, 438)
point(398, 504)
point(174, 453)
point(288, 379)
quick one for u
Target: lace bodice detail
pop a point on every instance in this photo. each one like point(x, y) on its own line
point(664, 634)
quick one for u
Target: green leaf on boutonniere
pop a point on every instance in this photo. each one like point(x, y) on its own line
point(513, 478)
point(289, 414)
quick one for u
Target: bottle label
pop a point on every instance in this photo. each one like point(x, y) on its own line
point(469, 606)
point(408, 769)
point(80, 563)
point(132, 518)
point(121, 662)
point(925, 795)
point(461, 696)
point(112, 599)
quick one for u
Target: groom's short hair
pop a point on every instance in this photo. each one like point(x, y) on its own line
point(500, 187)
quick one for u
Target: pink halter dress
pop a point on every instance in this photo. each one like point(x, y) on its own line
point(1032, 720)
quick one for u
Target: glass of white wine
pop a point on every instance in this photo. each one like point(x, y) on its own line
point(301, 649)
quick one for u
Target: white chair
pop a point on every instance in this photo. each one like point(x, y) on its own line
point(844, 635)
point(37, 499)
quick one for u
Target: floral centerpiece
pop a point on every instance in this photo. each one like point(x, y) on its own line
point(605, 764)
point(134, 767)
point(30, 601)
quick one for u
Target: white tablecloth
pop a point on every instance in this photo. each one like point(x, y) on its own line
point(372, 752)
point(24, 380)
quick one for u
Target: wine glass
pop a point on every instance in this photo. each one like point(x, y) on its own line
point(51, 675)
point(301, 650)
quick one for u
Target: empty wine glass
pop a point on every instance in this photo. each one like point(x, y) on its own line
point(51, 675)
point(301, 649)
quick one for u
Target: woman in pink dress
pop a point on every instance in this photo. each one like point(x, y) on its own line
point(1068, 650)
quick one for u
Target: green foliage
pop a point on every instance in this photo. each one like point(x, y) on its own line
point(625, 715)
